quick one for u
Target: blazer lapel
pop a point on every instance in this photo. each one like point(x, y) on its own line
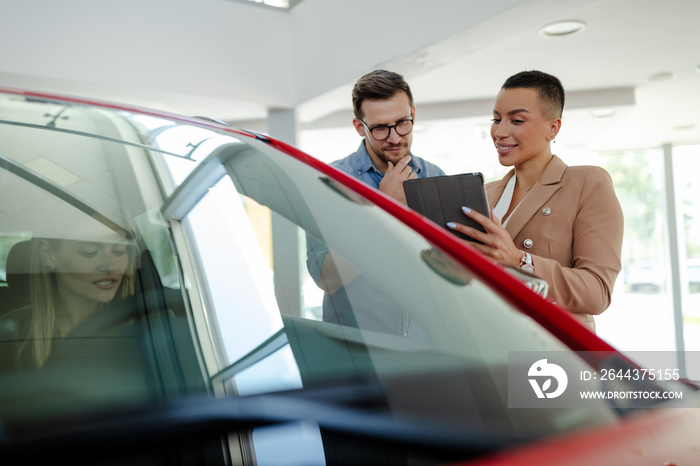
point(543, 189)
point(494, 190)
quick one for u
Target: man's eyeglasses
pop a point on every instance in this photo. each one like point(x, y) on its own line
point(382, 132)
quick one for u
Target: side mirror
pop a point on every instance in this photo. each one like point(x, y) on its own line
point(538, 285)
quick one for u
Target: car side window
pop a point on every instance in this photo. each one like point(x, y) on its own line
point(80, 215)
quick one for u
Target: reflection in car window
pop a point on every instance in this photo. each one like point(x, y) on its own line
point(61, 186)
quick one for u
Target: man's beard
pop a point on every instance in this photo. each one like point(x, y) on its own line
point(383, 157)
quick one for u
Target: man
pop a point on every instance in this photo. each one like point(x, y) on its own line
point(384, 117)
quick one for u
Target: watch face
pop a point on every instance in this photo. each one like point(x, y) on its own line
point(528, 269)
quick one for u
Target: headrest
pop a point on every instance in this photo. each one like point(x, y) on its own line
point(17, 266)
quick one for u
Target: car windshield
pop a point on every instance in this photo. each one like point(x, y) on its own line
point(224, 239)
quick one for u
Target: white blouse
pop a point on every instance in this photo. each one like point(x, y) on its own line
point(504, 202)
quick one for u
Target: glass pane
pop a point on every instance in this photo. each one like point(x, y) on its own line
point(686, 163)
point(400, 308)
point(289, 444)
point(239, 280)
point(257, 378)
point(642, 293)
point(90, 276)
point(394, 325)
point(312, 295)
point(185, 146)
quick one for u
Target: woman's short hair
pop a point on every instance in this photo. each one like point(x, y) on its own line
point(548, 87)
point(378, 85)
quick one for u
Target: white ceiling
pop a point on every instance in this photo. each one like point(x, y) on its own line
point(606, 66)
point(235, 62)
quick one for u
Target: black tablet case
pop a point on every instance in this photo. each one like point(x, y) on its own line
point(440, 198)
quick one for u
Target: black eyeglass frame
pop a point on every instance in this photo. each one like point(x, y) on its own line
point(389, 127)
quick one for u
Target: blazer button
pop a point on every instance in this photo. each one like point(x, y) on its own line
point(546, 211)
point(528, 243)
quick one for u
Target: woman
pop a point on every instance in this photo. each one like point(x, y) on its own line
point(70, 281)
point(564, 224)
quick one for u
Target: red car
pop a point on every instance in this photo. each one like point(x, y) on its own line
point(159, 307)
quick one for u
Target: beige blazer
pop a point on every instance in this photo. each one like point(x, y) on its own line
point(572, 224)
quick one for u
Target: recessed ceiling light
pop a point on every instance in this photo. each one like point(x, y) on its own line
point(273, 3)
point(603, 112)
point(566, 28)
point(662, 76)
point(50, 170)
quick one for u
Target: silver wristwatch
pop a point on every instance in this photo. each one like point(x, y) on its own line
point(526, 264)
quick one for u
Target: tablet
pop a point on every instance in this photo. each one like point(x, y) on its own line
point(440, 198)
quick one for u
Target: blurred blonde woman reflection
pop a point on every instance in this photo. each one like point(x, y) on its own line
point(70, 281)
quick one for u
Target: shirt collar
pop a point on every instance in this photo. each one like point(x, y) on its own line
point(364, 163)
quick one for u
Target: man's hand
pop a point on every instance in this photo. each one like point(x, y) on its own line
point(392, 183)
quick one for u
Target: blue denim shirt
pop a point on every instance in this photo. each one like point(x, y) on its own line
point(359, 303)
point(360, 165)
